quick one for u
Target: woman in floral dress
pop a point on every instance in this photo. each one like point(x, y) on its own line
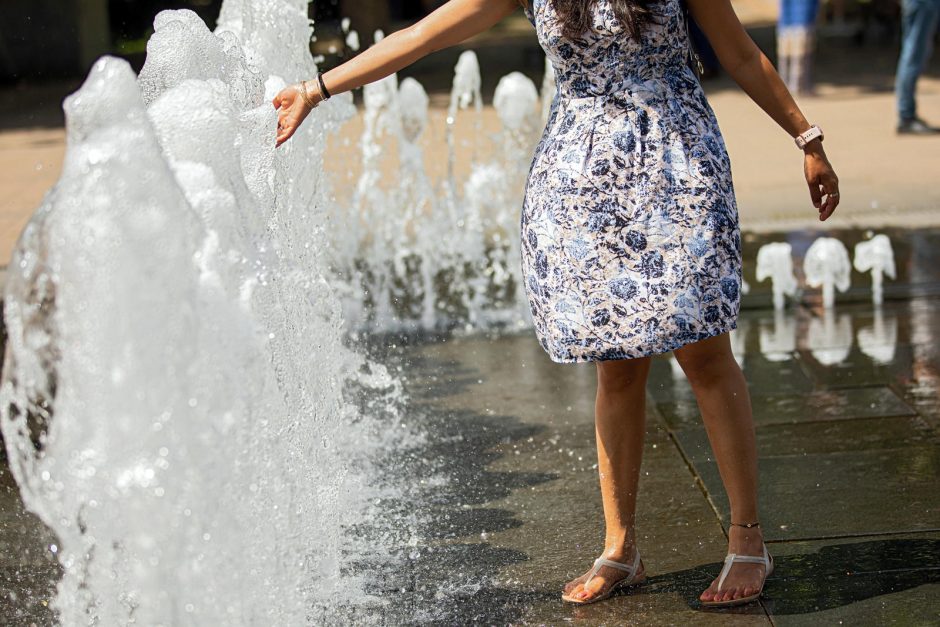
point(630, 240)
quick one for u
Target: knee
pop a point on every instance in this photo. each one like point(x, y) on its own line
point(705, 366)
point(614, 376)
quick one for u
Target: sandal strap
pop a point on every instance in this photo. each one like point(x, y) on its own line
point(731, 558)
point(627, 568)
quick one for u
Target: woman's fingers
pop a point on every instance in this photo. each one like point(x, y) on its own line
point(286, 125)
point(830, 187)
point(815, 193)
point(291, 111)
point(284, 132)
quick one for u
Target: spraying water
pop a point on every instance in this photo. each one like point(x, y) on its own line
point(178, 399)
point(429, 255)
point(827, 265)
point(173, 397)
point(876, 256)
point(775, 262)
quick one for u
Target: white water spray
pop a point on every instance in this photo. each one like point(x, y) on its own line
point(827, 266)
point(173, 336)
point(876, 256)
point(775, 262)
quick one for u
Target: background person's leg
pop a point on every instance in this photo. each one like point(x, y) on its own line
point(918, 23)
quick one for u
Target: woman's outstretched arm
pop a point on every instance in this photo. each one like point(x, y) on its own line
point(753, 71)
point(449, 25)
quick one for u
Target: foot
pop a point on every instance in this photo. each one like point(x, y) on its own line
point(605, 577)
point(744, 579)
point(916, 126)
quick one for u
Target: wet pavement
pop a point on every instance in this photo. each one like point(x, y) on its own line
point(848, 437)
point(497, 501)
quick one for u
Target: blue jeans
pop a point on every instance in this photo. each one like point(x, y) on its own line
point(798, 13)
point(919, 23)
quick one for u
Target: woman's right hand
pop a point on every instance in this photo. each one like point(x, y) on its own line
point(822, 180)
point(291, 112)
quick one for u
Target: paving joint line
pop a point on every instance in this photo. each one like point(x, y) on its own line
point(698, 480)
point(849, 536)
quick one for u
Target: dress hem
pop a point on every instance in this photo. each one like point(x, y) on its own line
point(617, 354)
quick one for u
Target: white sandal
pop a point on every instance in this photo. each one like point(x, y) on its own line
point(730, 561)
point(630, 580)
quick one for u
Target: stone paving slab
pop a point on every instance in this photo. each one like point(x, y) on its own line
point(823, 405)
point(830, 494)
point(874, 580)
point(28, 569)
point(502, 504)
point(561, 528)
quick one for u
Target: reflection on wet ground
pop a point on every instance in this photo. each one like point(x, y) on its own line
point(500, 503)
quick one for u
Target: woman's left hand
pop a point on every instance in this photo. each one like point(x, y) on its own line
point(822, 181)
point(292, 111)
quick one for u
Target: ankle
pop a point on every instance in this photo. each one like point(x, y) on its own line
point(620, 549)
point(745, 538)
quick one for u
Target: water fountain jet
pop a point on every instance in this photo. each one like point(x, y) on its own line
point(775, 262)
point(827, 266)
point(877, 256)
point(169, 313)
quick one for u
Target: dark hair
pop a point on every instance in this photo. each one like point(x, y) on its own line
point(575, 15)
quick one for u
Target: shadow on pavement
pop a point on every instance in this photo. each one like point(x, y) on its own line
point(832, 577)
point(439, 485)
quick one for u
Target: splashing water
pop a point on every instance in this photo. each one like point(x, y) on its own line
point(775, 262)
point(175, 395)
point(427, 255)
point(877, 256)
point(827, 265)
point(178, 402)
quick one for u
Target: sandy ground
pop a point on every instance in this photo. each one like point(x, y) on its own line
point(886, 180)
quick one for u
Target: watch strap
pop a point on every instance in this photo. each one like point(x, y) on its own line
point(807, 136)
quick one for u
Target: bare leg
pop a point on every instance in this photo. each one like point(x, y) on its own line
point(620, 427)
point(723, 399)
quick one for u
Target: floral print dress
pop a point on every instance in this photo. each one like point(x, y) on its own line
point(630, 238)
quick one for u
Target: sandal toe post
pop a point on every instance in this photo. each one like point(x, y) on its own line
point(730, 560)
point(629, 580)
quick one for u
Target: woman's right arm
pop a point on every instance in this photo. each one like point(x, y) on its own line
point(449, 25)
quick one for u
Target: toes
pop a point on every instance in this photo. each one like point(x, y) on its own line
point(584, 595)
point(594, 588)
point(592, 591)
point(574, 584)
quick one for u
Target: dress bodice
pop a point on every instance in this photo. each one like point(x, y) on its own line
point(605, 61)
